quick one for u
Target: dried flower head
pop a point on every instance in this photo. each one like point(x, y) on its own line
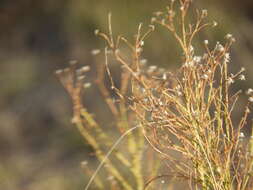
point(242, 77)
point(249, 91)
point(206, 42)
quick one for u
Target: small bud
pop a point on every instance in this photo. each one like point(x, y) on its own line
point(215, 23)
point(179, 93)
point(80, 77)
point(249, 91)
point(85, 68)
point(96, 32)
point(178, 87)
point(206, 42)
point(250, 99)
point(242, 69)
point(197, 59)
point(228, 36)
point(164, 76)
point(87, 85)
point(84, 163)
point(153, 19)
point(95, 51)
point(241, 135)
point(58, 72)
point(152, 27)
point(153, 67)
point(204, 12)
point(220, 47)
point(242, 77)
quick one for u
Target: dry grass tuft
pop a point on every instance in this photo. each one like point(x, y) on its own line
point(185, 116)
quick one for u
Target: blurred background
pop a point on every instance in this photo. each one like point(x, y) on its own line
point(39, 147)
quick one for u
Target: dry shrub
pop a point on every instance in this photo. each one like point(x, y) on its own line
point(185, 116)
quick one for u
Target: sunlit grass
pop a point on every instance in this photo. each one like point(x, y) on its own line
point(185, 116)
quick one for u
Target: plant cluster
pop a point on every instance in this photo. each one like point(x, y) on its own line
point(185, 116)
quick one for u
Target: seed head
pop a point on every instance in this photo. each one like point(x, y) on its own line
point(251, 99)
point(84, 163)
point(197, 59)
point(215, 23)
point(206, 42)
point(241, 135)
point(153, 19)
point(96, 32)
point(220, 47)
point(152, 27)
point(152, 68)
point(204, 12)
point(242, 77)
point(87, 85)
point(164, 76)
point(85, 68)
point(249, 91)
point(228, 36)
point(80, 78)
point(95, 51)
point(59, 71)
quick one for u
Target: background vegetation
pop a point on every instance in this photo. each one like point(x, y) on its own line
point(39, 147)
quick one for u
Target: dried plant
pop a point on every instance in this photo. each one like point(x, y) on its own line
point(125, 169)
point(185, 116)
